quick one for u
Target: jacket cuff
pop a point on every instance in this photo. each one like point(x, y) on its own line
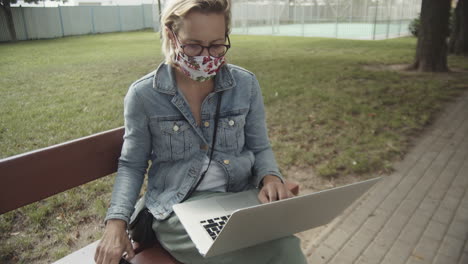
point(118, 213)
point(259, 179)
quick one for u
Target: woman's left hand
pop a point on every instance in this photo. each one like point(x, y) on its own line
point(273, 189)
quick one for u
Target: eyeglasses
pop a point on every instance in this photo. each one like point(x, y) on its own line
point(215, 50)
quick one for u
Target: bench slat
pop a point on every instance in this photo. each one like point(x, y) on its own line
point(29, 178)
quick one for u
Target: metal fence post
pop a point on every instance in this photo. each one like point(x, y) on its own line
point(247, 20)
point(336, 19)
point(388, 20)
point(92, 21)
point(302, 13)
point(367, 11)
point(317, 13)
point(375, 19)
point(143, 15)
point(272, 14)
point(24, 23)
point(120, 18)
point(400, 19)
point(61, 20)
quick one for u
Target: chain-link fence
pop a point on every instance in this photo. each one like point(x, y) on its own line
point(352, 19)
point(355, 19)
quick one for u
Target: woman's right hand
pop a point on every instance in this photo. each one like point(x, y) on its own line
point(114, 243)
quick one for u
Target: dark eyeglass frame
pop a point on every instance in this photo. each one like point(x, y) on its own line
point(182, 46)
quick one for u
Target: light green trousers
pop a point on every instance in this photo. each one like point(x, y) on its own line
point(173, 237)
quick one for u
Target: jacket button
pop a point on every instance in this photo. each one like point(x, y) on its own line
point(231, 122)
point(176, 128)
point(207, 124)
point(204, 147)
point(226, 162)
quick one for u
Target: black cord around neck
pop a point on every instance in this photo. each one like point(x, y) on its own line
point(218, 107)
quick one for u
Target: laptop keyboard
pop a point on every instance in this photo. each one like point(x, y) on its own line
point(214, 225)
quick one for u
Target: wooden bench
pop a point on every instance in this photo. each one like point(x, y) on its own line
point(58, 168)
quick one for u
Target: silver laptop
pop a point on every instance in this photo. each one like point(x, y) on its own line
point(221, 224)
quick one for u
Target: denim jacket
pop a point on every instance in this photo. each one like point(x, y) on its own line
point(160, 130)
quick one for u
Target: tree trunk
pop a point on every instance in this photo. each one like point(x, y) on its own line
point(431, 50)
point(9, 17)
point(459, 38)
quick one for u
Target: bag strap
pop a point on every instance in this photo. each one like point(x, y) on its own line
point(218, 106)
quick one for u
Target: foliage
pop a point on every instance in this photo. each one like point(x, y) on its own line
point(414, 26)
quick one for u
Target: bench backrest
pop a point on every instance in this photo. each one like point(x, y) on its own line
point(36, 175)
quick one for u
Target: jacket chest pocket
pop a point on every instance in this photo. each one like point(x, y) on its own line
point(172, 140)
point(231, 133)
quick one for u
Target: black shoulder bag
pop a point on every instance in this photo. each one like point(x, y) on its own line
point(141, 228)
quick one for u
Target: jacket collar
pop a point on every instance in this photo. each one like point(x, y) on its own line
point(164, 79)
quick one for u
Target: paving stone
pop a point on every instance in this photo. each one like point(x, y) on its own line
point(413, 230)
point(438, 191)
point(322, 254)
point(372, 254)
point(451, 246)
point(450, 203)
point(443, 215)
point(461, 179)
point(353, 248)
point(350, 225)
point(458, 229)
point(408, 207)
point(397, 222)
point(461, 215)
point(346, 255)
point(457, 191)
point(426, 248)
point(438, 145)
point(463, 259)
point(376, 220)
point(428, 207)
point(361, 239)
point(464, 203)
point(361, 214)
point(435, 230)
point(392, 201)
point(442, 259)
point(337, 238)
point(399, 253)
point(386, 237)
point(417, 260)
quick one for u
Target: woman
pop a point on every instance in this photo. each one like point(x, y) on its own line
point(170, 120)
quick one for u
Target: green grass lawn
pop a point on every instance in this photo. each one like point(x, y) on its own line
point(327, 109)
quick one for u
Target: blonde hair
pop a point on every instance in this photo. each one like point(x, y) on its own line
point(176, 10)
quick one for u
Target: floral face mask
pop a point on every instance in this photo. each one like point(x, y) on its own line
point(196, 67)
point(199, 68)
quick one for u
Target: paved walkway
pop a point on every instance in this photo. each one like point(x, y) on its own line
point(418, 214)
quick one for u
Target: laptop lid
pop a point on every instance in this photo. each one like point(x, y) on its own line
point(260, 223)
